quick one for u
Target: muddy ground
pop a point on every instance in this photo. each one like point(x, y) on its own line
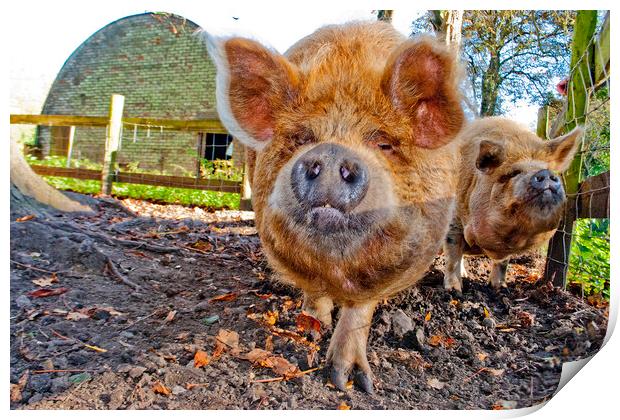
point(164, 307)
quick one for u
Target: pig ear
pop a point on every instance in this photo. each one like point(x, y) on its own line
point(253, 84)
point(490, 156)
point(421, 80)
point(561, 150)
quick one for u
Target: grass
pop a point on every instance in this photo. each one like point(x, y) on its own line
point(171, 195)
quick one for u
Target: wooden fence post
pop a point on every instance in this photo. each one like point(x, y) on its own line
point(245, 202)
point(558, 253)
point(70, 151)
point(112, 141)
point(543, 122)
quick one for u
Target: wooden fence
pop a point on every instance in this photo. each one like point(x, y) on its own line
point(587, 198)
point(110, 173)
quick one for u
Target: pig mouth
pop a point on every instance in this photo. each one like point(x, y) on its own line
point(326, 219)
point(545, 200)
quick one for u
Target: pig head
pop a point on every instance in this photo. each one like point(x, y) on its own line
point(510, 194)
point(353, 183)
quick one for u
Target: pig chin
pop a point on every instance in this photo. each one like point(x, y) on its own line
point(543, 206)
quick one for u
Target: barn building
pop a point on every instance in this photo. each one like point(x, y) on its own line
point(162, 68)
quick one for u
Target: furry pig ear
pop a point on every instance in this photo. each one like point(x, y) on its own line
point(490, 156)
point(561, 150)
point(252, 85)
point(421, 80)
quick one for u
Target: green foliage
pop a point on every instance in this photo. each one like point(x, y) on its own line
point(184, 196)
point(220, 169)
point(589, 256)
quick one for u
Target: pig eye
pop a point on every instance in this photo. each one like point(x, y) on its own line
point(381, 141)
point(303, 137)
point(507, 177)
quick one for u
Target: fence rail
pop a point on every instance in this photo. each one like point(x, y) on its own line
point(138, 178)
point(110, 172)
point(211, 125)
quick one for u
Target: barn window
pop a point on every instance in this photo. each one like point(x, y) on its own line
point(217, 146)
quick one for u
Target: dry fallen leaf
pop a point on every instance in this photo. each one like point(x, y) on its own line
point(202, 246)
point(201, 359)
point(486, 312)
point(16, 389)
point(46, 281)
point(25, 218)
point(306, 322)
point(224, 298)
point(482, 356)
point(428, 316)
point(263, 296)
point(76, 316)
point(435, 383)
point(343, 406)
point(230, 338)
point(170, 316)
point(45, 292)
point(271, 317)
point(495, 372)
point(189, 387)
point(269, 343)
point(160, 388)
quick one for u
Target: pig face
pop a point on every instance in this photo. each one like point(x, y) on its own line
point(351, 129)
point(518, 192)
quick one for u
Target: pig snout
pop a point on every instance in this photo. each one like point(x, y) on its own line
point(330, 176)
point(547, 188)
point(545, 180)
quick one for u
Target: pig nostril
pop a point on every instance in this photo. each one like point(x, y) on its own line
point(540, 178)
point(347, 174)
point(314, 170)
point(554, 178)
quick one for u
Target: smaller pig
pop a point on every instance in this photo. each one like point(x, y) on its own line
point(510, 196)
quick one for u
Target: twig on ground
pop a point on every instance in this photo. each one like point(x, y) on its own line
point(57, 371)
point(282, 378)
point(112, 268)
point(33, 268)
point(140, 320)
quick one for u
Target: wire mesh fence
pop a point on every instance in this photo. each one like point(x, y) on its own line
point(578, 254)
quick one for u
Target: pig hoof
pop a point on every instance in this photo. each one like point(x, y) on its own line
point(364, 381)
point(339, 378)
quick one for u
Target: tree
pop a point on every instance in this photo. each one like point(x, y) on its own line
point(385, 15)
point(447, 24)
point(511, 54)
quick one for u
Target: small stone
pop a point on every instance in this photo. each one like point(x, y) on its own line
point(40, 383)
point(60, 384)
point(401, 323)
point(23, 302)
point(35, 398)
point(136, 371)
point(177, 390)
point(124, 368)
point(489, 322)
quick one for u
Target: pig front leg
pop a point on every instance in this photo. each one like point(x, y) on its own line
point(498, 274)
point(453, 251)
point(347, 348)
point(320, 307)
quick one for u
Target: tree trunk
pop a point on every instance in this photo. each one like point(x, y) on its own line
point(490, 86)
point(447, 24)
point(385, 15)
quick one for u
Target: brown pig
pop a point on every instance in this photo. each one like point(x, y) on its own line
point(353, 179)
point(510, 196)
